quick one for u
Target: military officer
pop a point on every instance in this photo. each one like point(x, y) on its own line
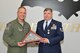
point(51, 32)
point(15, 32)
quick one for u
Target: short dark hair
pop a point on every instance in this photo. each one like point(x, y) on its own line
point(46, 9)
point(21, 7)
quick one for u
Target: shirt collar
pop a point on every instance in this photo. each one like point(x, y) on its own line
point(18, 21)
point(48, 22)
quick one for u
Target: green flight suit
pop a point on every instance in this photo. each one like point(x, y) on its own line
point(14, 33)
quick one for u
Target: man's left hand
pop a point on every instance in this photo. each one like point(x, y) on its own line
point(44, 40)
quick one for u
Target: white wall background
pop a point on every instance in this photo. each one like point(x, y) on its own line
point(71, 43)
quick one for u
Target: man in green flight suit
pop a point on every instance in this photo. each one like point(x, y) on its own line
point(15, 31)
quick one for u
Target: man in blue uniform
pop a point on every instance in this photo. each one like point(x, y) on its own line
point(51, 32)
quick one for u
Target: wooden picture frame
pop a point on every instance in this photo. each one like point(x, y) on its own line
point(31, 37)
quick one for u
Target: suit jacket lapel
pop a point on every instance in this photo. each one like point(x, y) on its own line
point(42, 29)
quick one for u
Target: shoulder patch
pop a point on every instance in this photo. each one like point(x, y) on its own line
point(8, 26)
point(61, 29)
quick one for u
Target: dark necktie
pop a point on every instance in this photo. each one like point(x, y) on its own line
point(46, 26)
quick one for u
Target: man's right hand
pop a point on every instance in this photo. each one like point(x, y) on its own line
point(21, 44)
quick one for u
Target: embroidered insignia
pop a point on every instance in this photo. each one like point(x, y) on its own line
point(54, 26)
point(61, 29)
point(20, 29)
point(8, 26)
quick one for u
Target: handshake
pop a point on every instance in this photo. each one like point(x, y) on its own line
point(43, 40)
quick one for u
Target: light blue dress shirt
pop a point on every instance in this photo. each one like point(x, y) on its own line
point(44, 25)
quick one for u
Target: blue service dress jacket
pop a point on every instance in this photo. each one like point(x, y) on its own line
point(54, 33)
